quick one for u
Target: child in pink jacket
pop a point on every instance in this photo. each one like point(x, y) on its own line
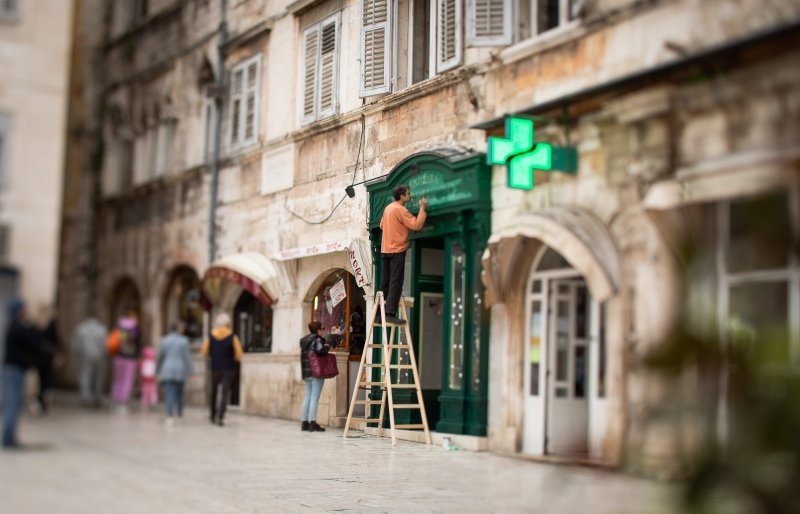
point(147, 371)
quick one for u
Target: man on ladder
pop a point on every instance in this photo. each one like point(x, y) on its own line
point(395, 224)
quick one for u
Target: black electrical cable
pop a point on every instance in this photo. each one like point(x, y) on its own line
point(310, 222)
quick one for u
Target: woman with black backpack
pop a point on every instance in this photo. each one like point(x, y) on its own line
point(312, 343)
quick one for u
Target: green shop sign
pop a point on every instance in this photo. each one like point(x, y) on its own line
point(522, 154)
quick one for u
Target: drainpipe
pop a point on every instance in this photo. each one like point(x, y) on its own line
point(218, 101)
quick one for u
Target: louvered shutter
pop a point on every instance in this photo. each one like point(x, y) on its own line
point(448, 34)
point(237, 85)
point(251, 100)
point(488, 22)
point(311, 38)
point(327, 68)
point(376, 48)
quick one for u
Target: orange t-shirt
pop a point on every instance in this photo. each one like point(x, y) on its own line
point(395, 223)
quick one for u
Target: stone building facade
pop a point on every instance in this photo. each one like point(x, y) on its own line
point(531, 306)
point(34, 56)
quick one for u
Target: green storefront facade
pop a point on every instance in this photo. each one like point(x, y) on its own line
point(449, 323)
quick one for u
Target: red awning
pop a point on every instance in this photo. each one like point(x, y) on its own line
point(253, 272)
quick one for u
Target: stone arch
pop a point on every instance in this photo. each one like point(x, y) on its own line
point(124, 295)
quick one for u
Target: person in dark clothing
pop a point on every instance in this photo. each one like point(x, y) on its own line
point(223, 349)
point(22, 352)
point(49, 348)
point(313, 342)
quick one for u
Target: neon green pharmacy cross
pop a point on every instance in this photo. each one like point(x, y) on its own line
point(522, 155)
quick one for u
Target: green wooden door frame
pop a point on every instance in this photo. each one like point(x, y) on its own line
point(458, 188)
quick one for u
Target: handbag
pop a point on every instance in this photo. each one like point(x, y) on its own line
point(323, 366)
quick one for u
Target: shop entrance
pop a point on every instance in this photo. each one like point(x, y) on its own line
point(428, 321)
point(449, 324)
point(252, 324)
point(564, 337)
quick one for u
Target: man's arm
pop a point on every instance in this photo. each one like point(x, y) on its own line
point(415, 223)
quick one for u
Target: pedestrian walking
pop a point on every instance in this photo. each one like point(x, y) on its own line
point(90, 355)
point(124, 343)
point(23, 351)
point(223, 350)
point(147, 378)
point(395, 224)
point(313, 342)
point(49, 355)
point(174, 367)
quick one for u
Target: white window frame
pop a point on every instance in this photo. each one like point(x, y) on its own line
point(725, 280)
point(316, 112)
point(5, 148)
point(241, 140)
point(564, 21)
point(9, 11)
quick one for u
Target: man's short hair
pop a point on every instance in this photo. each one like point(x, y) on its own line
point(314, 326)
point(399, 191)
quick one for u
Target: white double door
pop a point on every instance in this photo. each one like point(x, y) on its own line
point(561, 402)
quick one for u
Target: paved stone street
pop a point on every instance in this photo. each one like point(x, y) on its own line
point(104, 462)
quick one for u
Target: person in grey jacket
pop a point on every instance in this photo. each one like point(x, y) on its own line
point(90, 356)
point(174, 367)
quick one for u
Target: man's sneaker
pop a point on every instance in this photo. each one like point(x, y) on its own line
point(395, 320)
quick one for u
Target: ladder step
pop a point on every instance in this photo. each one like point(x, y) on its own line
point(368, 384)
point(389, 345)
point(403, 386)
point(368, 420)
point(407, 406)
point(368, 402)
point(419, 425)
point(401, 366)
point(389, 325)
point(373, 365)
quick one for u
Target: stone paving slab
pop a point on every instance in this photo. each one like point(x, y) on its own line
point(84, 461)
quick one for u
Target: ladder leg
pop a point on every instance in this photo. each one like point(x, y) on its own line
point(361, 369)
point(415, 372)
point(383, 412)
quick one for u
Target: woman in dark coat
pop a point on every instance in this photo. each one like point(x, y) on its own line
point(313, 342)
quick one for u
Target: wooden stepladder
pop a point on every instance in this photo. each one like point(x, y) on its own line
point(392, 345)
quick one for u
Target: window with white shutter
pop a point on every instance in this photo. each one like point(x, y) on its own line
point(327, 69)
point(376, 47)
point(5, 147)
point(320, 69)
point(488, 22)
point(448, 34)
point(244, 108)
point(9, 10)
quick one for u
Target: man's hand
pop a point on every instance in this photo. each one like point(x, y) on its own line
point(423, 203)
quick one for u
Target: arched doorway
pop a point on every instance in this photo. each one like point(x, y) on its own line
point(338, 304)
point(181, 303)
point(125, 298)
point(564, 361)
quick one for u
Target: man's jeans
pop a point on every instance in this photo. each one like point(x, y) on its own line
point(13, 389)
point(313, 389)
point(173, 397)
